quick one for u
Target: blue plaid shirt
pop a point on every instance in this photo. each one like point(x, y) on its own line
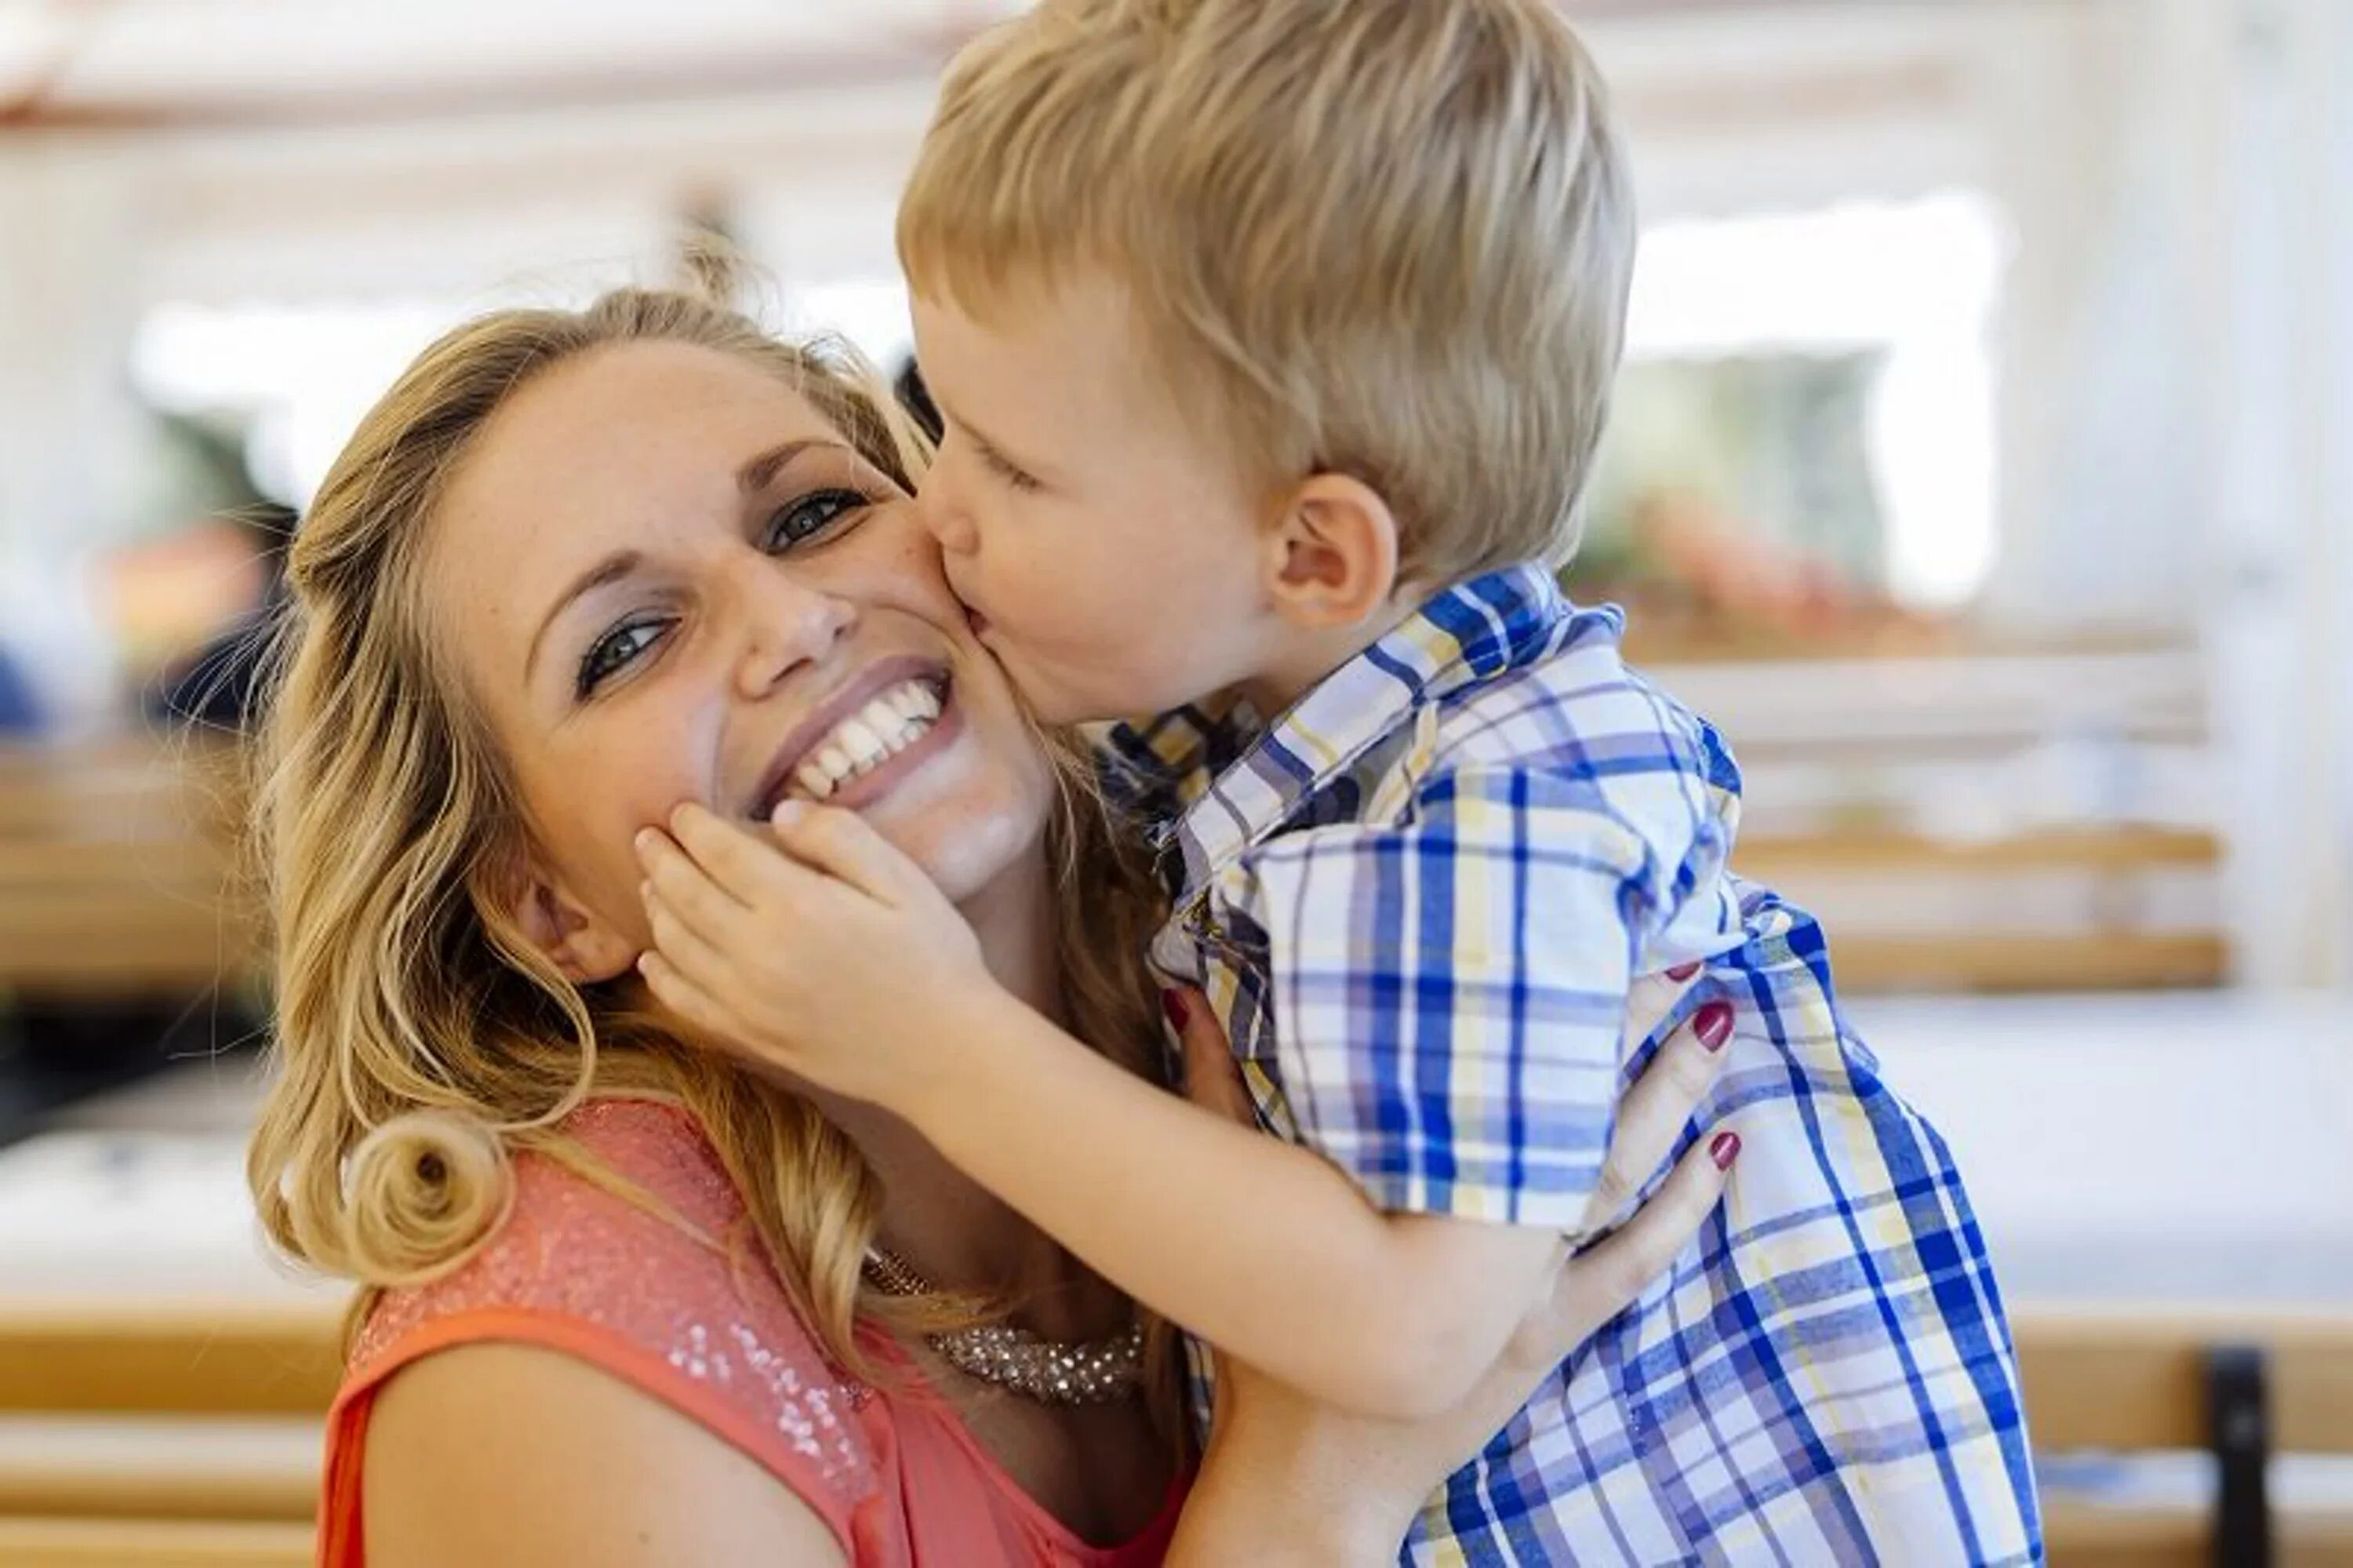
point(1417, 902)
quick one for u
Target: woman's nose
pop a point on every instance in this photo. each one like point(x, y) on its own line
point(787, 624)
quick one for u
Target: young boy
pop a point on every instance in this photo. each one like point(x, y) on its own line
point(1274, 339)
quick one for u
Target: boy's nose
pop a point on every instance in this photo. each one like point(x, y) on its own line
point(943, 514)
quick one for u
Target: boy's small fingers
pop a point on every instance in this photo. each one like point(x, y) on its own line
point(692, 897)
point(681, 996)
point(724, 852)
point(845, 846)
point(683, 947)
point(656, 848)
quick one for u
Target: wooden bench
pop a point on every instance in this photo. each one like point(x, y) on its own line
point(185, 1436)
point(152, 1544)
point(2239, 1387)
point(2112, 949)
point(120, 874)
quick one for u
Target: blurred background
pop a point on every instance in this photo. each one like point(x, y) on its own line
point(1983, 465)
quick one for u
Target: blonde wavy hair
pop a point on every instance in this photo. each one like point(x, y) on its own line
point(421, 1040)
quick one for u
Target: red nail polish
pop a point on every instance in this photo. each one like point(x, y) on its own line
point(1712, 1024)
point(1683, 972)
point(1174, 1006)
point(1723, 1150)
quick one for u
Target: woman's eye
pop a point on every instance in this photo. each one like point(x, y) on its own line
point(801, 520)
point(616, 651)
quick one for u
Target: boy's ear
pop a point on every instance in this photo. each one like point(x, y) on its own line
point(574, 936)
point(1330, 559)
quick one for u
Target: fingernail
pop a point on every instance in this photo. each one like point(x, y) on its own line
point(1712, 1024)
point(1172, 1005)
point(1723, 1150)
point(1683, 972)
point(786, 813)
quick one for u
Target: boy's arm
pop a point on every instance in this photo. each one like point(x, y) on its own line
point(1380, 1283)
point(840, 962)
point(1263, 1248)
point(1382, 1314)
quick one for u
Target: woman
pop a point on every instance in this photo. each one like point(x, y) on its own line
point(625, 1301)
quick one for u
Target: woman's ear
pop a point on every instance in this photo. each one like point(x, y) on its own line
point(1330, 559)
point(580, 944)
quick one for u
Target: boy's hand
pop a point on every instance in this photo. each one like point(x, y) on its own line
point(827, 952)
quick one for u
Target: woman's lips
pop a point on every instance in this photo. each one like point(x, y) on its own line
point(844, 703)
point(872, 786)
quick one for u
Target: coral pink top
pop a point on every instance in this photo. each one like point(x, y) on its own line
point(892, 1472)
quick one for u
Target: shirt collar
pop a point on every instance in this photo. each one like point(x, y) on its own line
point(1477, 630)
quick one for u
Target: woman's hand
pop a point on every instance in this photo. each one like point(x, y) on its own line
point(1285, 1480)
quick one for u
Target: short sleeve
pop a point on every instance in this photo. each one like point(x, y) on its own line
point(579, 1270)
point(1448, 993)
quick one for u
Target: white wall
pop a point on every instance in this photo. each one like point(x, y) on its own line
point(2176, 401)
point(2281, 515)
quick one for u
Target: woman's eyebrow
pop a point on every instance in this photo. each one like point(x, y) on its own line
point(610, 569)
point(761, 468)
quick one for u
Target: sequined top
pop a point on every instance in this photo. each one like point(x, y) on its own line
point(574, 1268)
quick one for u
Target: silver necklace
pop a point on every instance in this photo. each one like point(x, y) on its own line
point(1052, 1371)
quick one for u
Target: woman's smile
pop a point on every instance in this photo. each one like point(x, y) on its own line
point(887, 724)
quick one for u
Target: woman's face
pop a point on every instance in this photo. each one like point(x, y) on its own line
point(667, 578)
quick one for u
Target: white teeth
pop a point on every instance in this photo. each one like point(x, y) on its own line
point(865, 746)
point(888, 724)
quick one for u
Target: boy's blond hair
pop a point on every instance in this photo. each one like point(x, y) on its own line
point(1391, 239)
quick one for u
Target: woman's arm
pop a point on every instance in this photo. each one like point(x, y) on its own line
point(524, 1457)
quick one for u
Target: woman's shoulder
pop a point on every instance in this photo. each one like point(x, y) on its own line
point(640, 1259)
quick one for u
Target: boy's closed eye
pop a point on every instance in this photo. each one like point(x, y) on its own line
point(1004, 468)
point(991, 455)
